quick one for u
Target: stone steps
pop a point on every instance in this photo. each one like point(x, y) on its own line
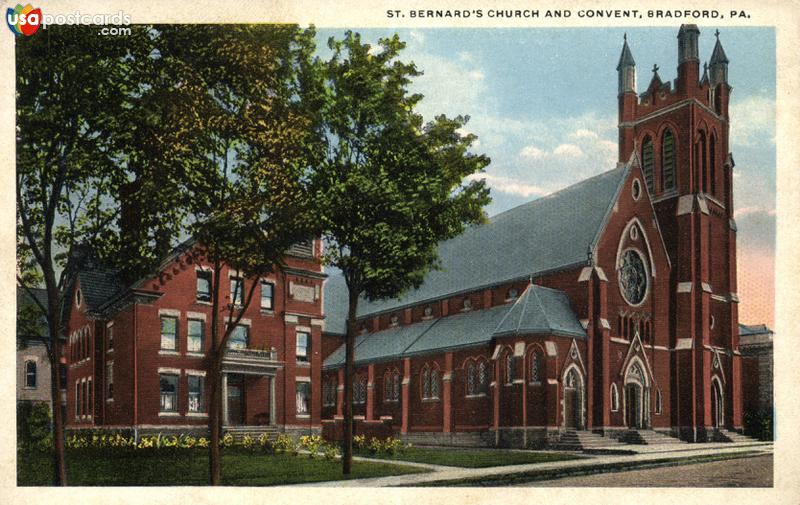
point(239, 432)
point(584, 441)
point(733, 437)
point(649, 437)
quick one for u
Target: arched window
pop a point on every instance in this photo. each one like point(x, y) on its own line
point(536, 367)
point(30, 374)
point(511, 368)
point(648, 163)
point(391, 385)
point(426, 383)
point(702, 158)
point(712, 159)
point(436, 384)
point(667, 160)
point(614, 397)
point(360, 390)
point(658, 401)
point(472, 379)
point(483, 377)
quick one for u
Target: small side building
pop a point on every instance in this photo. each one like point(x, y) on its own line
point(755, 344)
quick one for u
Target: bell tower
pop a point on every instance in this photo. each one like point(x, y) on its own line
point(680, 130)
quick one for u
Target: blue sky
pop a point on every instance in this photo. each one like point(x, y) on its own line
point(543, 103)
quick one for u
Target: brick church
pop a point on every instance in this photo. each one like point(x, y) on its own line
point(607, 306)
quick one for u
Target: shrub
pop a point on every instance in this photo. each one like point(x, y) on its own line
point(311, 443)
point(226, 441)
point(33, 424)
point(202, 442)
point(359, 443)
point(392, 445)
point(330, 451)
point(375, 446)
point(285, 444)
point(247, 441)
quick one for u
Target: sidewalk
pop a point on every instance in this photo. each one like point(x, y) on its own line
point(445, 474)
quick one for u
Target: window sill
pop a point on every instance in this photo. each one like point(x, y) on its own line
point(109, 400)
point(535, 383)
point(169, 414)
point(479, 395)
point(267, 312)
point(29, 388)
point(197, 414)
point(430, 400)
point(304, 364)
point(203, 302)
point(303, 416)
point(195, 355)
point(165, 352)
point(110, 351)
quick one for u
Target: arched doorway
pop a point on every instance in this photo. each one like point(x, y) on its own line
point(637, 394)
point(573, 399)
point(717, 404)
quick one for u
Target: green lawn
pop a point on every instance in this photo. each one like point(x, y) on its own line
point(474, 458)
point(189, 467)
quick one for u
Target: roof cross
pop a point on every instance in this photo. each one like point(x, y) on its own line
point(716, 34)
point(655, 68)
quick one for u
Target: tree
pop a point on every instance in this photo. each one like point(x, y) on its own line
point(390, 187)
point(246, 173)
point(69, 84)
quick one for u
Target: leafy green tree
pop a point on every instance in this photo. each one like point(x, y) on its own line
point(390, 187)
point(246, 175)
point(69, 83)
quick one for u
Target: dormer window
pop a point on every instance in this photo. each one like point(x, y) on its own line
point(428, 312)
point(512, 294)
point(78, 298)
point(467, 304)
point(394, 320)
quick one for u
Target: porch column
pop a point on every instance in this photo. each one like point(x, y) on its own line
point(370, 392)
point(272, 400)
point(447, 393)
point(340, 393)
point(224, 399)
point(406, 394)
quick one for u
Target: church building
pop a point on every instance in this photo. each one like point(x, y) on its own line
point(609, 306)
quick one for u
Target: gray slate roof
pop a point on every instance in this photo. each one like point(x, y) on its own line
point(546, 234)
point(99, 286)
point(625, 57)
point(718, 55)
point(537, 310)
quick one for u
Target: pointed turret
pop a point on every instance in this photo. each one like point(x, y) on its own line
point(626, 69)
point(688, 59)
point(704, 79)
point(719, 63)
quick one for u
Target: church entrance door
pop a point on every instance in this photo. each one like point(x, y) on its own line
point(633, 405)
point(573, 401)
point(717, 410)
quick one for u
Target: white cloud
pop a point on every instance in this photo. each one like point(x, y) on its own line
point(568, 151)
point(532, 152)
point(748, 211)
point(582, 133)
point(417, 37)
point(510, 185)
point(465, 56)
point(375, 49)
point(476, 75)
point(752, 121)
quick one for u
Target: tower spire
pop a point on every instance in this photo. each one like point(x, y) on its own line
point(626, 68)
point(718, 66)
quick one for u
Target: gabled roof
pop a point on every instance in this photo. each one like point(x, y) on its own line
point(538, 310)
point(27, 299)
point(99, 285)
point(547, 234)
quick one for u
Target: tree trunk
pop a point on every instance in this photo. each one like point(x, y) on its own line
point(215, 421)
point(215, 409)
point(349, 369)
point(54, 327)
